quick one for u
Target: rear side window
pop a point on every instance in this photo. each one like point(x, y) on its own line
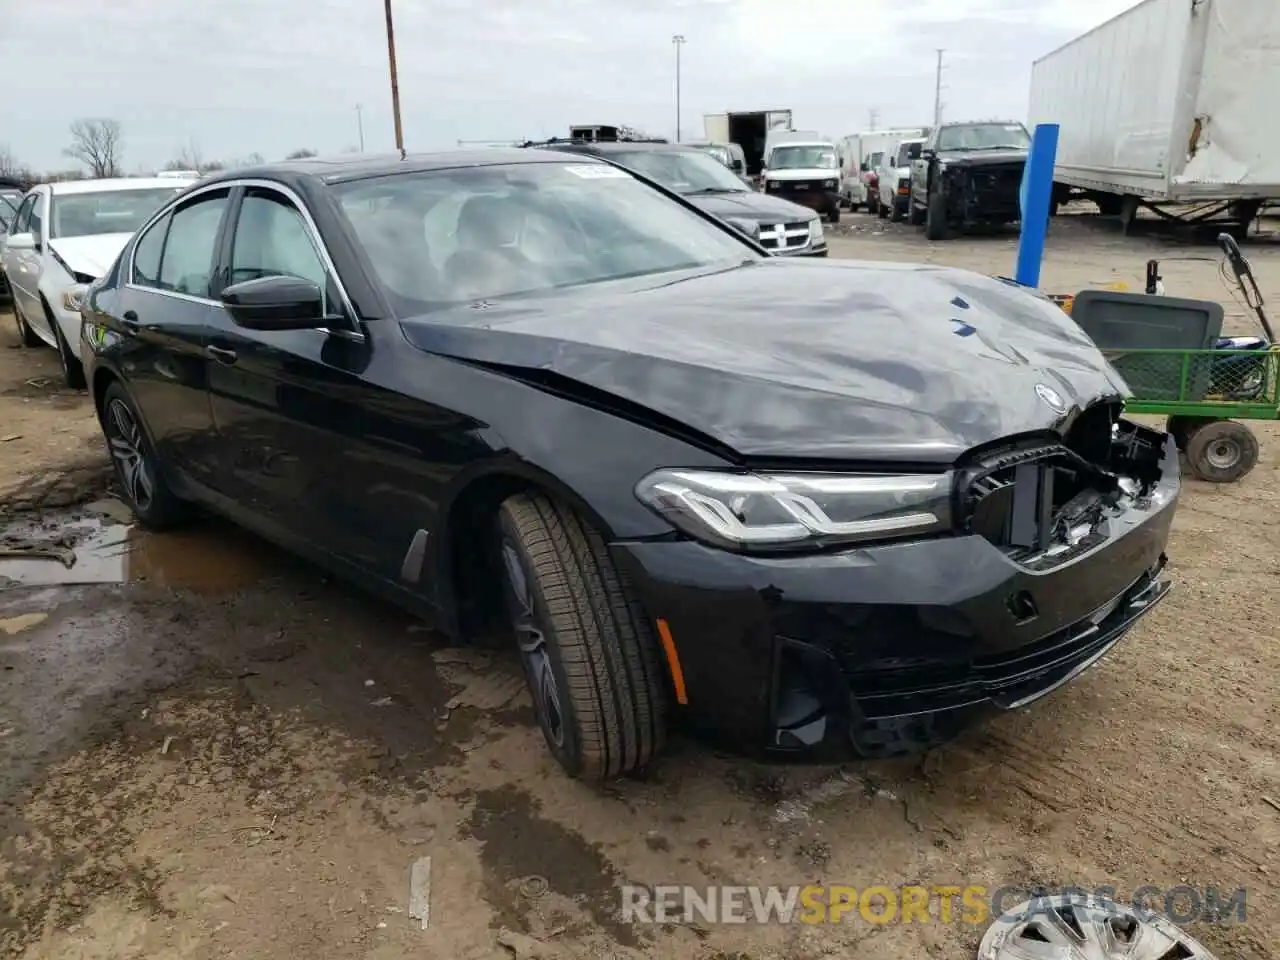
point(146, 255)
point(186, 265)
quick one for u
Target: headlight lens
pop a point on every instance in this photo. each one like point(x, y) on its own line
point(815, 230)
point(73, 297)
point(744, 511)
point(830, 184)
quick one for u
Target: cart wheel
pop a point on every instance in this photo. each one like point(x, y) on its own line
point(1222, 451)
point(1181, 428)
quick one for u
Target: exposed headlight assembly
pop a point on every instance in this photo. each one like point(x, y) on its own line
point(756, 511)
point(73, 297)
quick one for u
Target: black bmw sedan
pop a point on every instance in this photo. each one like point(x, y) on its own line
point(814, 507)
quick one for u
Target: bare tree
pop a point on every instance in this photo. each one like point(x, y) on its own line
point(301, 154)
point(9, 166)
point(96, 143)
point(189, 158)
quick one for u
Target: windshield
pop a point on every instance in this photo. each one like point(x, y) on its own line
point(984, 136)
point(686, 171)
point(802, 157)
point(447, 237)
point(106, 211)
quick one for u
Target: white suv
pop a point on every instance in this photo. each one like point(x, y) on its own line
point(63, 237)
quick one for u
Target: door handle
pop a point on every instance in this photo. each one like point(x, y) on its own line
point(222, 354)
point(130, 320)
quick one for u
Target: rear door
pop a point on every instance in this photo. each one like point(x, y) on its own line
point(165, 310)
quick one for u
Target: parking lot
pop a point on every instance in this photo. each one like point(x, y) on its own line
point(212, 750)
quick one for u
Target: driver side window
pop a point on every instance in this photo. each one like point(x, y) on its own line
point(273, 239)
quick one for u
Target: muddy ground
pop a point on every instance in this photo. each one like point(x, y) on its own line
point(210, 750)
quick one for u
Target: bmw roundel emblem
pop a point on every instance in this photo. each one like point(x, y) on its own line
point(1052, 399)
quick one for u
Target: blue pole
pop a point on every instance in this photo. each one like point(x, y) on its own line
point(1034, 197)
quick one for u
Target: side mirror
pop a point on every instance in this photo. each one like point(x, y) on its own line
point(275, 303)
point(21, 241)
point(865, 167)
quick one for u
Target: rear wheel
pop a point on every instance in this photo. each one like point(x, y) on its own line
point(589, 651)
point(137, 470)
point(1222, 451)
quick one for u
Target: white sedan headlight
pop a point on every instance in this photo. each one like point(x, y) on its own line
point(73, 297)
point(815, 230)
point(744, 511)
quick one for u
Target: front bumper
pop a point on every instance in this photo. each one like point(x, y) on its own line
point(820, 200)
point(893, 648)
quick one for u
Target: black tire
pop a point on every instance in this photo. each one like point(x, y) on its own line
point(873, 205)
point(581, 628)
point(935, 224)
point(142, 485)
point(25, 333)
point(833, 214)
point(916, 215)
point(896, 213)
point(885, 213)
point(1221, 451)
point(72, 369)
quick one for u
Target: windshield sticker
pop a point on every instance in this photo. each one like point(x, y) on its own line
point(597, 171)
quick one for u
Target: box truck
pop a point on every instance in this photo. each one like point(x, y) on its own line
point(749, 129)
point(860, 156)
point(1165, 106)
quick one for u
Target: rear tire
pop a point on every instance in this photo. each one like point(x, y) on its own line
point(896, 213)
point(1222, 451)
point(142, 485)
point(589, 650)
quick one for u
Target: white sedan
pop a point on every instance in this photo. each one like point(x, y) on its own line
point(63, 238)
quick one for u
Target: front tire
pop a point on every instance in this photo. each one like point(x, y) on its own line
point(25, 333)
point(137, 470)
point(72, 369)
point(589, 651)
point(935, 224)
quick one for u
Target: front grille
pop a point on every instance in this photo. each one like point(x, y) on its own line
point(782, 237)
point(996, 188)
point(815, 186)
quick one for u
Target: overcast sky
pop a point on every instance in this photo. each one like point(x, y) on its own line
point(270, 76)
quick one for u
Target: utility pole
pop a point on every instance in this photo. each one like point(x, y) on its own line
point(937, 92)
point(677, 41)
point(395, 83)
point(360, 126)
point(872, 116)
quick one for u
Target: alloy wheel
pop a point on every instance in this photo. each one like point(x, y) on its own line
point(532, 642)
point(124, 439)
point(1064, 927)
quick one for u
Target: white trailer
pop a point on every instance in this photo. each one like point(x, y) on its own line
point(1166, 105)
point(856, 163)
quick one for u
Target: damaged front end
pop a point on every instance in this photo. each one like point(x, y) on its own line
point(1043, 503)
point(1058, 551)
point(986, 193)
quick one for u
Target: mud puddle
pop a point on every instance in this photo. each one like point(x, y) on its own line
point(102, 545)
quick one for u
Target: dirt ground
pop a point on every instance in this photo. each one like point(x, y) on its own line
point(207, 749)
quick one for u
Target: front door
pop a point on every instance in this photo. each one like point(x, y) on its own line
point(287, 404)
point(22, 266)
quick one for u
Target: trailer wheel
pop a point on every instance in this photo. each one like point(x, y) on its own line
point(1222, 451)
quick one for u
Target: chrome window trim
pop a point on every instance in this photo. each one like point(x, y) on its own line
point(312, 229)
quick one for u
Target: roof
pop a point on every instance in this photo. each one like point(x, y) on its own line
point(360, 166)
point(618, 146)
point(64, 187)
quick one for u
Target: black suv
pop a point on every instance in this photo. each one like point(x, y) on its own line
point(968, 173)
point(780, 226)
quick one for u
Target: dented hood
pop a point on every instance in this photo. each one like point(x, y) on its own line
point(849, 361)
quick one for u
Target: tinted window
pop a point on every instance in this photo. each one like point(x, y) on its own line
point(457, 236)
point(683, 171)
point(187, 263)
point(146, 254)
point(273, 239)
point(983, 136)
point(106, 211)
point(23, 219)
